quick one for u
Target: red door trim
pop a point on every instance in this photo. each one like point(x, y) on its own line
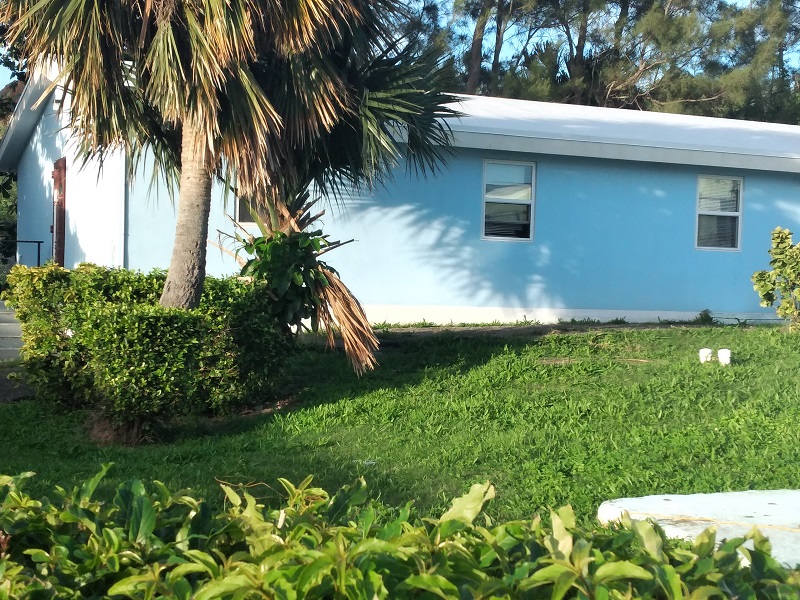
point(59, 209)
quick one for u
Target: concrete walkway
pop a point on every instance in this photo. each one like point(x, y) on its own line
point(775, 513)
point(10, 334)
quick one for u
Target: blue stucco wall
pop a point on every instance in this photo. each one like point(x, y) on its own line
point(616, 236)
point(150, 224)
point(608, 235)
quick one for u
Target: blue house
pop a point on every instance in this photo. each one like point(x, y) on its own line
point(552, 211)
point(544, 212)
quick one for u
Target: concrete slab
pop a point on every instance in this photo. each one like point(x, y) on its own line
point(8, 354)
point(11, 343)
point(7, 316)
point(776, 513)
point(11, 329)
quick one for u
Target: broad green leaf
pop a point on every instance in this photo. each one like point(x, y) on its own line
point(143, 520)
point(704, 543)
point(705, 592)
point(203, 559)
point(766, 567)
point(186, 569)
point(232, 496)
point(560, 543)
point(129, 585)
point(567, 516)
point(181, 589)
point(313, 572)
point(670, 582)
point(37, 555)
point(435, 584)
point(232, 584)
point(563, 585)
point(111, 539)
point(622, 569)
point(550, 573)
point(113, 563)
point(450, 527)
point(468, 506)
point(347, 497)
point(89, 486)
point(650, 539)
point(372, 545)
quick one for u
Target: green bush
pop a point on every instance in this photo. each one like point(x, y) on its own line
point(147, 361)
point(157, 544)
point(782, 283)
point(97, 337)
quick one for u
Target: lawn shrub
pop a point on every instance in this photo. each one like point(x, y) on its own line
point(147, 361)
point(150, 543)
point(782, 283)
point(97, 337)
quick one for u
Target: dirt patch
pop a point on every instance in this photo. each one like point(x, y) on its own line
point(101, 431)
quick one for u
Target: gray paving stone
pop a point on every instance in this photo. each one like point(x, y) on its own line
point(776, 513)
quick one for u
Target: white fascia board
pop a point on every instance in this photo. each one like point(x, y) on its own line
point(23, 121)
point(617, 151)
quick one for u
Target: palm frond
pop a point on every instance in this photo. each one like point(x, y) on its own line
point(339, 307)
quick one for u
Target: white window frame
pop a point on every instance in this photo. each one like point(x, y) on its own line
point(717, 213)
point(484, 200)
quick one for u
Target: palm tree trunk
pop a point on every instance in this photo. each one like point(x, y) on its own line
point(476, 49)
point(187, 268)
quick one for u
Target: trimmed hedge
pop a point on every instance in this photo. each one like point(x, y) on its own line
point(152, 543)
point(97, 337)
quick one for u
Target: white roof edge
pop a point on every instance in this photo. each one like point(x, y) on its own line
point(582, 131)
point(24, 119)
point(626, 152)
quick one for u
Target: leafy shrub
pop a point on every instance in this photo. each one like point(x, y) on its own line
point(54, 361)
point(158, 544)
point(96, 336)
point(156, 361)
point(782, 283)
point(289, 266)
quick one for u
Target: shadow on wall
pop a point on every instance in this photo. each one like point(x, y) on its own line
point(431, 257)
point(426, 244)
point(608, 235)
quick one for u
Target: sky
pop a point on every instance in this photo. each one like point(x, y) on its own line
point(5, 76)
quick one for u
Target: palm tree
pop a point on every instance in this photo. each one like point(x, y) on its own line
point(267, 94)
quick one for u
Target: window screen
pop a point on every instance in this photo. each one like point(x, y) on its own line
point(718, 212)
point(508, 200)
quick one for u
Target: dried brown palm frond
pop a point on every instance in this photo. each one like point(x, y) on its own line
point(339, 306)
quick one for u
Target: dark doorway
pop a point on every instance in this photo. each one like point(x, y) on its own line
point(59, 209)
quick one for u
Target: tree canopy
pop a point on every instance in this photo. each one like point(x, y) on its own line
point(266, 94)
point(710, 57)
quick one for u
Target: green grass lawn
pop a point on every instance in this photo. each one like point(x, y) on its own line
point(553, 419)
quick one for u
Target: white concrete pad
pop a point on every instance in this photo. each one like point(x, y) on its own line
point(776, 514)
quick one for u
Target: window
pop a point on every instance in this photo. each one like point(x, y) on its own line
point(719, 212)
point(508, 200)
point(243, 212)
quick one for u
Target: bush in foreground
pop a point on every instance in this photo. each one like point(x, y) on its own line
point(158, 544)
point(97, 337)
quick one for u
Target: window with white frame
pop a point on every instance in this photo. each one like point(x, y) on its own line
point(719, 212)
point(508, 200)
